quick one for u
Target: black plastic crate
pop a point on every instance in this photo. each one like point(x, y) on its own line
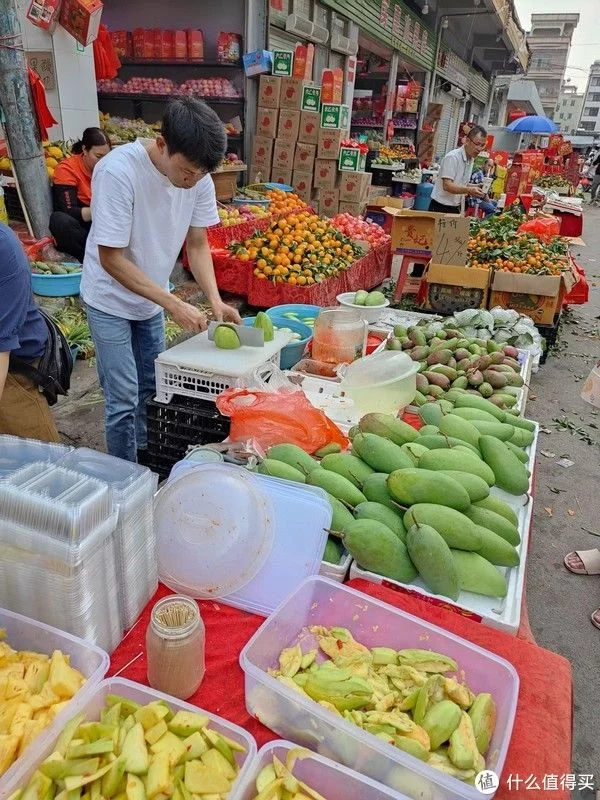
point(14, 209)
point(175, 426)
point(550, 334)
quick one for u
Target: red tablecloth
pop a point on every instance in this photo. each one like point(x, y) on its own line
point(237, 277)
point(541, 741)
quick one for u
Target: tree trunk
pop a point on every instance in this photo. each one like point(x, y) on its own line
point(20, 123)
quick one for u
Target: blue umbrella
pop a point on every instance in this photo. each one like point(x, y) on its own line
point(532, 124)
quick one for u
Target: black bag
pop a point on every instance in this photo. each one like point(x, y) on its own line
point(53, 373)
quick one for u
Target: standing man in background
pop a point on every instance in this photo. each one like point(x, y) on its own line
point(453, 180)
point(148, 197)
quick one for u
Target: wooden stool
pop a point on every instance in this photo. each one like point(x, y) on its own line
point(411, 272)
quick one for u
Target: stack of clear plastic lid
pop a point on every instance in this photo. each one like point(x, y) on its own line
point(132, 489)
point(58, 561)
point(16, 453)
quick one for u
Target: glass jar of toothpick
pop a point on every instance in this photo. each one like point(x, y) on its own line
point(175, 647)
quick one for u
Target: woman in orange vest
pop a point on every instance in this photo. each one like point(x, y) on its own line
point(72, 192)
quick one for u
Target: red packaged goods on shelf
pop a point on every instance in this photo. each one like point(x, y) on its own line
point(143, 43)
point(229, 48)
point(266, 121)
point(158, 37)
point(119, 41)
point(195, 45)
point(168, 45)
point(180, 44)
point(81, 18)
point(44, 14)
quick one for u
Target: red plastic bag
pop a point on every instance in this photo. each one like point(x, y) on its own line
point(278, 418)
point(542, 227)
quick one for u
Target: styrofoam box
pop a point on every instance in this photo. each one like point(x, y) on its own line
point(95, 701)
point(337, 572)
point(324, 776)
point(319, 601)
point(502, 613)
point(23, 633)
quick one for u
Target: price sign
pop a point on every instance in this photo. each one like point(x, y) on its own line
point(397, 21)
point(384, 13)
point(407, 30)
point(42, 62)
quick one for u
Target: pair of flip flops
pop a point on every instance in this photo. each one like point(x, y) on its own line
point(585, 562)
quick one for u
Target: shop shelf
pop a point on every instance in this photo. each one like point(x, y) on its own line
point(165, 98)
point(319, 601)
point(92, 702)
point(179, 62)
point(23, 633)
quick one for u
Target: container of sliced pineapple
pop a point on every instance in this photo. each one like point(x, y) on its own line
point(129, 742)
point(44, 672)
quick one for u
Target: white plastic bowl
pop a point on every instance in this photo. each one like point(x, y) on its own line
point(370, 314)
point(383, 382)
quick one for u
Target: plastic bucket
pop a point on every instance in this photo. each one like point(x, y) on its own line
point(292, 352)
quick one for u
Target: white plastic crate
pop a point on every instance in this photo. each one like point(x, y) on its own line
point(23, 633)
point(336, 572)
point(94, 701)
point(322, 775)
point(197, 368)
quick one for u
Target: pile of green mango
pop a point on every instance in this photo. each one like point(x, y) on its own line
point(410, 503)
point(449, 360)
point(412, 699)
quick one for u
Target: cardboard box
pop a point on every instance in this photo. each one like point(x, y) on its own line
point(328, 143)
point(262, 152)
point(309, 127)
point(354, 187)
point(335, 116)
point(358, 209)
point(332, 85)
point(283, 154)
point(376, 210)
point(304, 158)
point(413, 231)
point(195, 45)
point(281, 176)
point(269, 91)
point(258, 62)
point(180, 44)
point(329, 202)
point(81, 18)
point(291, 92)
point(450, 288)
point(44, 13)
point(257, 174)
point(311, 98)
point(351, 160)
point(289, 125)
point(537, 296)
point(302, 183)
point(304, 55)
point(283, 62)
point(266, 121)
point(326, 174)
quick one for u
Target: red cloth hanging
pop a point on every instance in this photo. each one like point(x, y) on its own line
point(45, 119)
point(106, 61)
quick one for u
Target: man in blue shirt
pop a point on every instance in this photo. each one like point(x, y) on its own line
point(24, 410)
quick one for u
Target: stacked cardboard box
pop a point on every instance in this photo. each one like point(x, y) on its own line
point(298, 141)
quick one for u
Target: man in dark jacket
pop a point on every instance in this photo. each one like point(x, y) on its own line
point(24, 410)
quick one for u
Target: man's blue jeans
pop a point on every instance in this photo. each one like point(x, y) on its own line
point(125, 355)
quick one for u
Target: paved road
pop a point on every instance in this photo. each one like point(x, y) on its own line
point(559, 603)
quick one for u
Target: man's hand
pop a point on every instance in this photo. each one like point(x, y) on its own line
point(189, 317)
point(475, 191)
point(225, 313)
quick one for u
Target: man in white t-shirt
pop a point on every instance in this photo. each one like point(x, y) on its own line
point(148, 197)
point(453, 180)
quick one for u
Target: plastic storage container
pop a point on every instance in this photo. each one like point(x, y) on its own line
point(16, 453)
point(132, 489)
point(324, 776)
point(340, 336)
point(94, 701)
point(383, 382)
point(319, 601)
point(23, 633)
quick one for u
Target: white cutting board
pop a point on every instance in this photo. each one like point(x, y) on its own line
point(200, 354)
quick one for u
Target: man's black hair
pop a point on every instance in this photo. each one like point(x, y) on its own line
point(477, 130)
point(192, 129)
